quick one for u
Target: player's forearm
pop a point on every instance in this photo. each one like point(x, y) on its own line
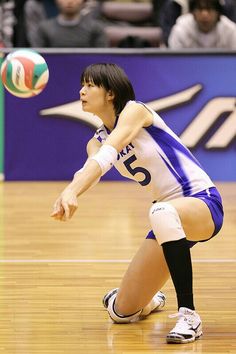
point(81, 182)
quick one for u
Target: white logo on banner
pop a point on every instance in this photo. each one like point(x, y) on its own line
point(195, 131)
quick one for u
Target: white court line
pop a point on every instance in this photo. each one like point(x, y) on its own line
point(102, 260)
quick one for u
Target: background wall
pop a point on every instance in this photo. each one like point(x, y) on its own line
point(45, 136)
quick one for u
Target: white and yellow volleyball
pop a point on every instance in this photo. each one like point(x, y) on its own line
point(24, 73)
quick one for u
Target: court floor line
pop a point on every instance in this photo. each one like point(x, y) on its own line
point(102, 260)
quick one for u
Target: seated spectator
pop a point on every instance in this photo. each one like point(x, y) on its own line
point(70, 28)
point(172, 9)
point(203, 27)
point(7, 21)
point(36, 11)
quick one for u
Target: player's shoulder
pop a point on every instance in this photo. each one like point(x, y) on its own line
point(136, 108)
point(134, 105)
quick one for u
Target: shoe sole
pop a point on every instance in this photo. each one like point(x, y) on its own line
point(176, 340)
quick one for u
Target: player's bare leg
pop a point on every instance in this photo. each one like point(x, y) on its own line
point(146, 274)
point(195, 217)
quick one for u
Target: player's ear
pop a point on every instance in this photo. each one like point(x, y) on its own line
point(110, 95)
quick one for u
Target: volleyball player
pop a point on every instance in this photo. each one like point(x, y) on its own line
point(186, 207)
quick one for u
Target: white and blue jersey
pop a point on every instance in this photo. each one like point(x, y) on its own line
point(158, 160)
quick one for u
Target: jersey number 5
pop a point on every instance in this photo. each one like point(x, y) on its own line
point(133, 171)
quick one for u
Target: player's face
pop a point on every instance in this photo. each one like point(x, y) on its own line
point(206, 19)
point(94, 98)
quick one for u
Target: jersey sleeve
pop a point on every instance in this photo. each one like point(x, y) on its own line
point(101, 134)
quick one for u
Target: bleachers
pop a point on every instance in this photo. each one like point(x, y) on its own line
point(126, 20)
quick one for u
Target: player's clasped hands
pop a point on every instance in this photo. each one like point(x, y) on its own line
point(65, 206)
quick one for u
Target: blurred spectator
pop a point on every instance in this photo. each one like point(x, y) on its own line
point(36, 11)
point(7, 21)
point(72, 27)
point(172, 9)
point(203, 27)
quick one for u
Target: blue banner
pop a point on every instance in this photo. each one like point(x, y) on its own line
point(1, 125)
point(46, 136)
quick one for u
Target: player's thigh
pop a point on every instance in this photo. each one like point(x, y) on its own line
point(146, 274)
point(196, 218)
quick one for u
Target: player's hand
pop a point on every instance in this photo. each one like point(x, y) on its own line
point(65, 206)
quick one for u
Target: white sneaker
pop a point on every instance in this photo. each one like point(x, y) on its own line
point(107, 297)
point(188, 327)
point(158, 301)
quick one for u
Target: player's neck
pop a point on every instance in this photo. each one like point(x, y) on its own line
point(109, 123)
point(109, 118)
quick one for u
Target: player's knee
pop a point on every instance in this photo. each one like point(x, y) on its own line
point(119, 318)
point(165, 222)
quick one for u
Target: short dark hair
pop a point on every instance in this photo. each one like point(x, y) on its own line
point(206, 4)
point(110, 77)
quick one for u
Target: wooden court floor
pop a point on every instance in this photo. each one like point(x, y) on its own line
point(53, 275)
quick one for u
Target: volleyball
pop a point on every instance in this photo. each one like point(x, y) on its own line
point(24, 73)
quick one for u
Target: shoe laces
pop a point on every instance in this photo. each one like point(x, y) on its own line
point(183, 321)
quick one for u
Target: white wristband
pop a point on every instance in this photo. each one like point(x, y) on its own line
point(106, 157)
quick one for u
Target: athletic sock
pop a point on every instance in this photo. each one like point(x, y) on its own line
point(178, 259)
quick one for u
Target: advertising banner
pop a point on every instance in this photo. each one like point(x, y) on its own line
point(1, 125)
point(46, 136)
